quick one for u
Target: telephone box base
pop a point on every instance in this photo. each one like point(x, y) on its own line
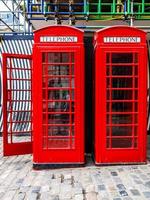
point(57, 166)
point(122, 163)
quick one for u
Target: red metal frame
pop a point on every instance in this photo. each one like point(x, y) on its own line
point(16, 140)
point(55, 142)
point(120, 97)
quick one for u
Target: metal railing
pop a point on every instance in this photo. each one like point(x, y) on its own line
point(13, 16)
point(91, 9)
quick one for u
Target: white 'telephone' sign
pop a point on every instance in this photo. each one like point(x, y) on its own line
point(122, 39)
point(58, 39)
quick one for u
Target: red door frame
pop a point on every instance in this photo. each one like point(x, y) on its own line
point(119, 155)
point(58, 156)
point(12, 148)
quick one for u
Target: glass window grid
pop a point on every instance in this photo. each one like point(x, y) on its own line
point(19, 101)
point(51, 115)
point(128, 140)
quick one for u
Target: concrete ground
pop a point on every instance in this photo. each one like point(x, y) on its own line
point(19, 181)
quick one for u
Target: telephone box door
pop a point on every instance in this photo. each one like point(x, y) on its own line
point(122, 105)
point(17, 104)
point(58, 129)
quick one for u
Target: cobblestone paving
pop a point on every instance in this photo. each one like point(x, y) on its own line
point(18, 181)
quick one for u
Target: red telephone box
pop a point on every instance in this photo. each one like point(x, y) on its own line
point(120, 95)
point(58, 96)
point(46, 91)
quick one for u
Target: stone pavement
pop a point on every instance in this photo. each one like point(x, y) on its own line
point(18, 181)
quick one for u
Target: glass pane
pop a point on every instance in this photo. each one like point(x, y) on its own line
point(21, 95)
point(55, 106)
point(122, 57)
point(135, 129)
point(19, 84)
point(44, 92)
point(21, 137)
point(61, 82)
point(58, 70)
point(136, 83)
point(45, 118)
point(108, 143)
point(44, 82)
point(125, 66)
point(59, 131)
point(17, 126)
point(135, 142)
point(108, 95)
point(18, 107)
point(135, 118)
point(108, 58)
point(136, 95)
point(60, 95)
point(108, 107)
point(136, 58)
point(121, 94)
point(58, 143)
point(121, 142)
point(57, 57)
point(44, 130)
point(108, 73)
point(136, 70)
point(121, 70)
point(108, 119)
point(121, 119)
point(19, 116)
point(135, 106)
point(122, 82)
point(108, 130)
point(108, 83)
point(121, 131)
point(58, 106)
point(58, 118)
point(122, 106)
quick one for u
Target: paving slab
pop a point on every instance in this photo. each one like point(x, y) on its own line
point(18, 181)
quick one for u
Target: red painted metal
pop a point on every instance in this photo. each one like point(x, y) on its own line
point(58, 96)
point(120, 95)
point(17, 104)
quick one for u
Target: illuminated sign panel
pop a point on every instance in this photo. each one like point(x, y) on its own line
point(58, 39)
point(122, 39)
